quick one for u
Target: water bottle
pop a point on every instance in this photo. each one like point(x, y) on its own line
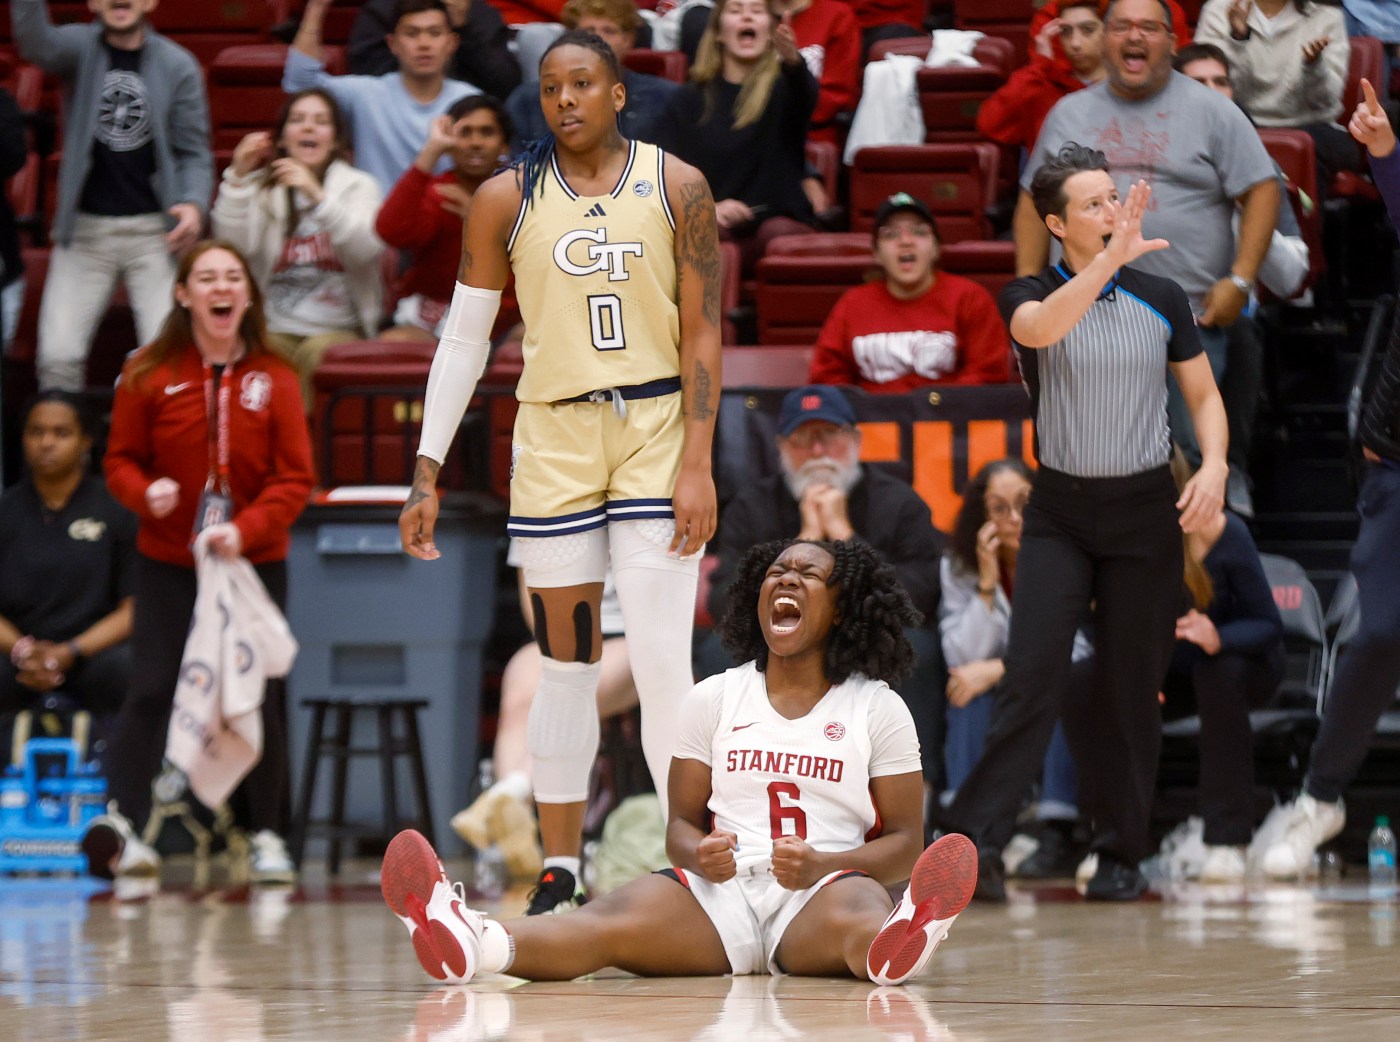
point(1380, 857)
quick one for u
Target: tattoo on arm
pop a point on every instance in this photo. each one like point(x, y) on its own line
point(425, 474)
point(700, 406)
point(466, 266)
point(697, 244)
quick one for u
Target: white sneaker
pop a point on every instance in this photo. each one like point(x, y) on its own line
point(1310, 823)
point(114, 850)
point(446, 933)
point(271, 864)
point(1088, 868)
point(1223, 865)
point(939, 888)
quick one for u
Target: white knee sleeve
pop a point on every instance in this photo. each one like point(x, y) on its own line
point(657, 593)
point(562, 732)
point(556, 561)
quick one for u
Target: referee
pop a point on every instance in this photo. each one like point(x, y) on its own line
point(1103, 526)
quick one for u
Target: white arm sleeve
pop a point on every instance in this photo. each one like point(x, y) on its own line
point(457, 366)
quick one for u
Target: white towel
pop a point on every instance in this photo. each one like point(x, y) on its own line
point(953, 47)
point(238, 639)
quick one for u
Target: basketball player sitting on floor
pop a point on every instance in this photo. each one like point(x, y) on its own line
point(806, 762)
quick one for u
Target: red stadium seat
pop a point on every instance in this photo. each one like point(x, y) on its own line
point(758, 368)
point(1008, 19)
point(957, 182)
point(669, 65)
point(992, 51)
point(950, 98)
point(1294, 152)
point(825, 158)
point(796, 294)
point(25, 346)
point(245, 88)
point(990, 263)
point(728, 289)
point(822, 244)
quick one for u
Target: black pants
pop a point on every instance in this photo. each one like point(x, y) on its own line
point(1222, 689)
point(1113, 543)
point(165, 596)
point(97, 683)
point(1370, 666)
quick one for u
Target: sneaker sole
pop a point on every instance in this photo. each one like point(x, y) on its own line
point(940, 887)
point(410, 871)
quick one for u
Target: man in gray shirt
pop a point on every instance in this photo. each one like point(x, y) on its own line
point(1201, 156)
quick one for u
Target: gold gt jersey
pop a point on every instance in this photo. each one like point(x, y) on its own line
point(810, 777)
point(595, 277)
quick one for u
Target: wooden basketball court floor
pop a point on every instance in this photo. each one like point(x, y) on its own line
point(327, 962)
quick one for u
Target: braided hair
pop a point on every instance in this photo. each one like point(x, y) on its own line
point(535, 157)
point(872, 606)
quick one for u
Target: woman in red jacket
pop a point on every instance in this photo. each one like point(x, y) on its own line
point(208, 434)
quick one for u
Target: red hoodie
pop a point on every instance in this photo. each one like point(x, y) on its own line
point(160, 430)
point(829, 28)
point(1014, 114)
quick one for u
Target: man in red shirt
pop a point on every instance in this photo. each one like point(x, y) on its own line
point(918, 326)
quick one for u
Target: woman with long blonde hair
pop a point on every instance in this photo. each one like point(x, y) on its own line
point(743, 120)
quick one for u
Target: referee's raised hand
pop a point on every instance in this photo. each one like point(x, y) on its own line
point(1126, 244)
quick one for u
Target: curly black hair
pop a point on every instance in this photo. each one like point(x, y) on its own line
point(972, 515)
point(872, 605)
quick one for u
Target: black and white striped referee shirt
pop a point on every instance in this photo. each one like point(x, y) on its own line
point(1099, 396)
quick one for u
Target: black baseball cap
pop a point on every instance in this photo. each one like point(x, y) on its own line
point(814, 402)
point(897, 203)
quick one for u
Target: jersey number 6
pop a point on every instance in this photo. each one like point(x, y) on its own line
point(605, 321)
point(780, 812)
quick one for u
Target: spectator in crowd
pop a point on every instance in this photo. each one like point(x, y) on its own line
point(14, 151)
point(978, 576)
point(1228, 660)
point(825, 31)
point(1068, 56)
point(136, 175)
point(504, 813)
point(423, 215)
point(390, 114)
point(1096, 340)
point(209, 370)
point(917, 326)
point(1288, 65)
point(742, 120)
point(482, 56)
point(1283, 272)
point(823, 493)
point(1364, 684)
point(66, 555)
point(648, 97)
point(1201, 157)
point(303, 216)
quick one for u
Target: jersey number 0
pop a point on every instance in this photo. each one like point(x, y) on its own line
point(605, 321)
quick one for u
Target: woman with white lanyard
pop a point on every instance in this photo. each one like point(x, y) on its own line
point(208, 435)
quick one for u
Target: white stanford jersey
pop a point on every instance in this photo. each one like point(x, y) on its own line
point(770, 776)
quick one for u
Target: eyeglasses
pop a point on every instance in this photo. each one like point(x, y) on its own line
point(1000, 510)
point(810, 434)
point(1123, 26)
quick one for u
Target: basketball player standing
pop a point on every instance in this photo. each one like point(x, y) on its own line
point(615, 252)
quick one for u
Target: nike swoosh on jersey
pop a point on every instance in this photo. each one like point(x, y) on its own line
point(740, 727)
point(177, 388)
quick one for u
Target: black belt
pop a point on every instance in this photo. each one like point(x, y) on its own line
point(650, 389)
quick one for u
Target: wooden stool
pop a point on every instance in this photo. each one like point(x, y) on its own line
point(336, 745)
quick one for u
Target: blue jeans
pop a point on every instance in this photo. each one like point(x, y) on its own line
point(1216, 343)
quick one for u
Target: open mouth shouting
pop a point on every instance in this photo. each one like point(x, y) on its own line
point(1134, 59)
point(785, 615)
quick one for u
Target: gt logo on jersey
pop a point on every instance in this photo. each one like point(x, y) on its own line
point(602, 255)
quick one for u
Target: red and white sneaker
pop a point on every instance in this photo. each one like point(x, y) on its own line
point(446, 933)
point(939, 888)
